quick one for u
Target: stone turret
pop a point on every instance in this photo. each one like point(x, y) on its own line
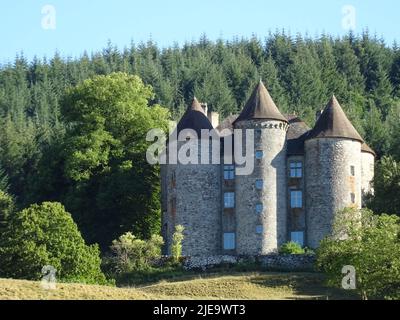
point(261, 207)
point(193, 195)
point(367, 170)
point(333, 171)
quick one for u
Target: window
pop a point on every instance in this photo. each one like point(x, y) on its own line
point(259, 184)
point(296, 169)
point(173, 205)
point(259, 208)
point(229, 241)
point(259, 229)
point(298, 237)
point(229, 200)
point(259, 154)
point(352, 171)
point(257, 133)
point(229, 172)
point(353, 198)
point(296, 199)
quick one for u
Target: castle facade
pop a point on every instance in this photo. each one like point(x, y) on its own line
point(302, 177)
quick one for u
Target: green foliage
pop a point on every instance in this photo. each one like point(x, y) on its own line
point(386, 187)
point(291, 248)
point(369, 243)
point(176, 246)
point(46, 235)
point(129, 253)
point(3, 180)
point(105, 157)
point(7, 208)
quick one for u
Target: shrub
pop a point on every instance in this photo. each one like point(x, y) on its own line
point(129, 253)
point(176, 247)
point(369, 243)
point(46, 235)
point(291, 248)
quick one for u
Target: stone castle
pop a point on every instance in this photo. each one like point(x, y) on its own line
point(302, 177)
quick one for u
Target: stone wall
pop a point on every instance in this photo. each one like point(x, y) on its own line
point(272, 262)
point(272, 170)
point(367, 172)
point(198, 208)
point(330, 183)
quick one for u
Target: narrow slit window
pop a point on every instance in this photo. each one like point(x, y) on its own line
point(353, 197)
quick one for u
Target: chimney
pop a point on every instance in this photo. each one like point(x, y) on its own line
point(214, 118)
point(318, 114)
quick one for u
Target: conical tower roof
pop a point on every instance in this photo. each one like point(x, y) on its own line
point(260, 106)
point(195, 119)
point(333, 123)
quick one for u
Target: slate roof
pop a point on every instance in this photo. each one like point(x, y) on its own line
point(366, 148)
point(296, 135)
point(195, 119)
point(260, 106)
point(333, 123)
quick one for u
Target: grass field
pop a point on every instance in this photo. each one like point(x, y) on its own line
point(257, 286)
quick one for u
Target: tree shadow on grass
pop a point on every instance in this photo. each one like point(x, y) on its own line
point(305, 285)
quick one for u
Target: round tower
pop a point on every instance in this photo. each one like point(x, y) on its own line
point(367, 170)
point(332, 170)
point(194, 192)
point(261, 206)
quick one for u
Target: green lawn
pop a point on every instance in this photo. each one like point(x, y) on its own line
point(255, 285)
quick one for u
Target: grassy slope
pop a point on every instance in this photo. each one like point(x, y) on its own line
point(265, 286)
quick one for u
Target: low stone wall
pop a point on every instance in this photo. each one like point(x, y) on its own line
point(288, 262)
point(273, 262)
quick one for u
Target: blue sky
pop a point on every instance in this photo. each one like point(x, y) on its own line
point(88, 24)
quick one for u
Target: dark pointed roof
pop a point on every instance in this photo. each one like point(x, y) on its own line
point(296, 135)
point(260, 106)
point(333, 123)
point(195, 119)
point(366, 148)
